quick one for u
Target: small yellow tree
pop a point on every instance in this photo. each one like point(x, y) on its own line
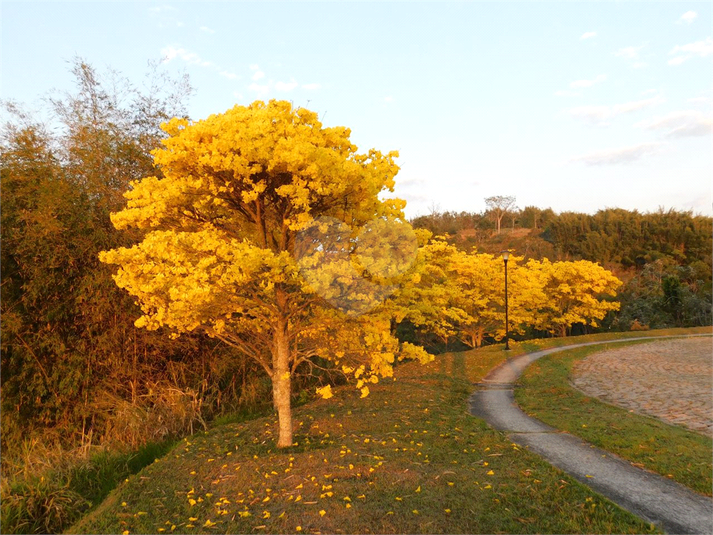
point(426, 297)
point(240, 191)
point(573, 292)
point(477, 300)
point(477, 296)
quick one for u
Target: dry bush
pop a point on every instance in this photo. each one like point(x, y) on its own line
point(163, 411)
point(636, 326)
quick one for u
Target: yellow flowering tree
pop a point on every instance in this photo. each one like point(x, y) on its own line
point(573, 292)
point(425, 298)
point(462, 294)
point(250, 237)
point(454, 293)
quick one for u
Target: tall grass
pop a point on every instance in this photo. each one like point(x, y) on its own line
point(48, 500)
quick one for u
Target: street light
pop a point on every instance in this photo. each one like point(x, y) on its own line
point(506, 255)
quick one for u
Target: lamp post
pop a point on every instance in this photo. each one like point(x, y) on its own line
point(506, 255)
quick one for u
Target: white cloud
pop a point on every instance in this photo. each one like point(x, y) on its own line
point(700, 100)
point(285, 86)
point(687, 123)
point(229, 75)
point(686, 52)
point(639, 65)
point(237, 95)
point(688, 17)
point(588, 83)
point(588, 35)
point(417, 199)
point(637, 105)
point(592, 114)
point(388, 99)
point(629, 52)
point(259, 89)
point(410, 182)
point(600, 114)
point(258, 75)
point(159, 9)
point(311, 86)
point(170, 52)
point(619, 156)
point(206, 29)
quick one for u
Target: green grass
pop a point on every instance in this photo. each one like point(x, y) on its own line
point(407, 459)
point(669, 450)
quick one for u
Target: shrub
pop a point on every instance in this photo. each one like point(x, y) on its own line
point(636, 326)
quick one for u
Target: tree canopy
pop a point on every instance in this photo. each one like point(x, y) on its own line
point(222, 222)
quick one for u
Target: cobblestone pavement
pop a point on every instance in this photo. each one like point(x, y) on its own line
point(671, 380)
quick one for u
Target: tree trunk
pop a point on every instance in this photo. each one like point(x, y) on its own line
point(281, 384)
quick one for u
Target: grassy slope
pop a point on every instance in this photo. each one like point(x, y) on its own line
point(407, 459)
point(671, 451)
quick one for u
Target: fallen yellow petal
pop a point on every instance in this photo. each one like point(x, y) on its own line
point(325, 392)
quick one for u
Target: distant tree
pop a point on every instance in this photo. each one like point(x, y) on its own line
point(477, 305)
point(574, 292)
point(514, 215)
point(535, 218)
point(499, 206)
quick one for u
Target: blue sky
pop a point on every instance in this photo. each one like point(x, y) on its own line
point(574, 106)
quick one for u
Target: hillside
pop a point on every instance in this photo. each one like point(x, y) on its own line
point(407, 459)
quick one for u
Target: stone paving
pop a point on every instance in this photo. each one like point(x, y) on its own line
point(671, 380)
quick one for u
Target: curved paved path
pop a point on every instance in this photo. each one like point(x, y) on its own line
point(671, 380)
point(674, 507)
